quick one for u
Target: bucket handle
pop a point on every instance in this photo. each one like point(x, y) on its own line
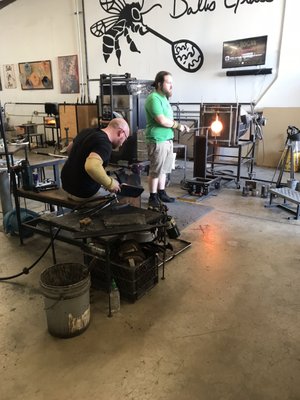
point(54, 304)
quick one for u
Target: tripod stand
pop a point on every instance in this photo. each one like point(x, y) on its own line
point(293, 136)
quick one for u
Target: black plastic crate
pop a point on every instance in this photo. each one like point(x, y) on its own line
point(132, 282)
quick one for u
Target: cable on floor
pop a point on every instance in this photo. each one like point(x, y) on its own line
point(26, 270)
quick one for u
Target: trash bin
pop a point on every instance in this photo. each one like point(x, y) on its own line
point(66, 290)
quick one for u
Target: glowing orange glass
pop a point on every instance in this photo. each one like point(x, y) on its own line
point(216, 126)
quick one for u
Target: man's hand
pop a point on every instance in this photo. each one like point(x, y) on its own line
point(183, 128)
point(114, 187)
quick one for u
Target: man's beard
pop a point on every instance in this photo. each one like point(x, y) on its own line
point(168, 93)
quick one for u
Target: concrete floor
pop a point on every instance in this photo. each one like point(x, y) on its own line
point(223, 325)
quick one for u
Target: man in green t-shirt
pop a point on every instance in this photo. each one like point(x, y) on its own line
point(159, 137)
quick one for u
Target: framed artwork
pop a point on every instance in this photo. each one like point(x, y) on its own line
point(36, 75)
point(10, 81)
point(68, 74)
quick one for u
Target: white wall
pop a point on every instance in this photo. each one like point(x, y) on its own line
point(208, 29)
point(35, 30)
point(285, 90)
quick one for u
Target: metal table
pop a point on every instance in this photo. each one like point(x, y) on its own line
point(12, 150)
point(288, 195)
point(30, 132)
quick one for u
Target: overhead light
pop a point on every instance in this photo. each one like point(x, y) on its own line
point(216, 126)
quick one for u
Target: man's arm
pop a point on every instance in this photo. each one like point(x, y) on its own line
point(164, 121)
point(169, 123)
point(155, 109)
point(94, 167)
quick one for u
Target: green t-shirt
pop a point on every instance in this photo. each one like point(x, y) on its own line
point(155, 105)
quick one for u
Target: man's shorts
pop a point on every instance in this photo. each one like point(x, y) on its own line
point(161, 158)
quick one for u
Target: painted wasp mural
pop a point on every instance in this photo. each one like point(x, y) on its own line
point(125, 17)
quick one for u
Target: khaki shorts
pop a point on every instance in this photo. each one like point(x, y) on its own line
point(160, 157)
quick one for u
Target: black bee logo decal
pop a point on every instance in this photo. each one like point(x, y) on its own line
point(124, 18)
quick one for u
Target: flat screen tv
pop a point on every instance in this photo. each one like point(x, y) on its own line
point(244, 52)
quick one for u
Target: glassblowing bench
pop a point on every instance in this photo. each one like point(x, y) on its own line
point(99, 233)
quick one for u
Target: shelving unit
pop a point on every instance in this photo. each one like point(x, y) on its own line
point(125, 96)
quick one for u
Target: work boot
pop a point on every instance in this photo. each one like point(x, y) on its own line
point(164, 197)
point(154, 201)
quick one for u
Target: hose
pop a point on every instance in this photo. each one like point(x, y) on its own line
point(26, 270)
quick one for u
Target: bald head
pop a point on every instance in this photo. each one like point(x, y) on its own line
point(118, 131)
point(118, 123)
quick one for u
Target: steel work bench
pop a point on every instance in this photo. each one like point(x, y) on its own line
point(12, 150)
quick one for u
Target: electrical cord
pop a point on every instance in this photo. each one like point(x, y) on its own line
point(26, 270)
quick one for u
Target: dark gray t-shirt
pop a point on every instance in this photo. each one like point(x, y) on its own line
point(74, 178)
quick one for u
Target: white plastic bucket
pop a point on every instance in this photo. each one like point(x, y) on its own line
point(66, 290)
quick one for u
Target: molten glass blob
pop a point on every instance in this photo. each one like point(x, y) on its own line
point(216, 126)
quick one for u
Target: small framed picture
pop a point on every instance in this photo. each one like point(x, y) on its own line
point(10, 81)
point(36, 75)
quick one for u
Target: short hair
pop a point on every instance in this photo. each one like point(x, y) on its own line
point(118, 123)
point(160, 77)
point(115, 123)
